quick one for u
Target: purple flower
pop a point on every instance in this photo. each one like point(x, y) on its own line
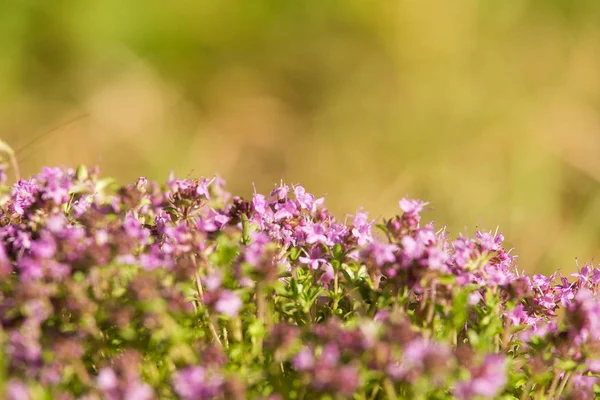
point(285, 210)
point(348, 380)
point(314, 258)
point(202, 188)
point(362, 228)
point(24, 193)
point(154, 258)
point(304, 360)
point(412, 249)
point(436, 259)
point(411, 207)
point(80, 206)
point(228, 303)
point(256, 249)
point(16, 390)
point(24, 346)
point(138, 391)
point(107, 379)
point(134, 229)
point(215, 221)
point(330, 355)
point(57, 184)
point(213, 282)
point(474, 298)
point(518, 316)
point(383, 253)
point(593, 365)
point(305, 200)
point(316, 233)
point(487, 380)
point(336, 233)
point(38, 310)
point(463, 249)
point(44, 247)
point(281, 191)
point(327, 276)
point(30, 269)
point(194, 383)
point(259, 204)
point(489, 242)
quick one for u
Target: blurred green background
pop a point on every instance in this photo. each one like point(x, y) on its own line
point(488, 109)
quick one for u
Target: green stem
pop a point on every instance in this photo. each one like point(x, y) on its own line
point(374, 392)
point(525, 394)
point(431, 309)
point(213, 331)
point(260, 313)
point(390, 391)
point(553, 385)
point(335, 292)
point(563, 384)
point(211, 325)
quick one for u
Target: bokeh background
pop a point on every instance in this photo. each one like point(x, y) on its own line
point(488, 109)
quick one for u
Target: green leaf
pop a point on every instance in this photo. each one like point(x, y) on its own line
point(567, 365)
point(460, 309)
point(295, 253)
point(81, 173)
point(338, 252)
point(104, 183)
point(382, 227)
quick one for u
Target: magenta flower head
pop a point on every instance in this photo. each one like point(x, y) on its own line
point(196, 383)
point(361, 228)
point(412, 207)
point(107, 380)
point(228, 303)
point(16, 391)
point(382, 253)
point(304, 360)
point(138, 391)
point(305, 200)
point(24, 195)
point(487, 380)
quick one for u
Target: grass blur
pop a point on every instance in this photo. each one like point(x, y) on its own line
point(490, 110)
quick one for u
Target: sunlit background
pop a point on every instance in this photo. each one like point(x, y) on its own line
point(488, 109)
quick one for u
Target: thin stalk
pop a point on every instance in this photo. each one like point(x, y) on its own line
point(335, 291)
point(199, 288)
point(260, 313)
point(390, 391)
point(539, 393)
point(506, 334)
point(213, 331)
point(431, 309)
point(525, 394)
point(374, 392)
point(553, 385)
point(211, 325)
point(237, 329)
point(563, 384)
point(454, 337)
point(423, 300)
point(225, 337)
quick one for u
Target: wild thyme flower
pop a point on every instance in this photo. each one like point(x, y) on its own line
point(180, 290)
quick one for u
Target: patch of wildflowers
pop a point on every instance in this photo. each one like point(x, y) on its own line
point(180, 290)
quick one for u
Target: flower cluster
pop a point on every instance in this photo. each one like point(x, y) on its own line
point(180, 290)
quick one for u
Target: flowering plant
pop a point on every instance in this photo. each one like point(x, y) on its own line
point(180, 290)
